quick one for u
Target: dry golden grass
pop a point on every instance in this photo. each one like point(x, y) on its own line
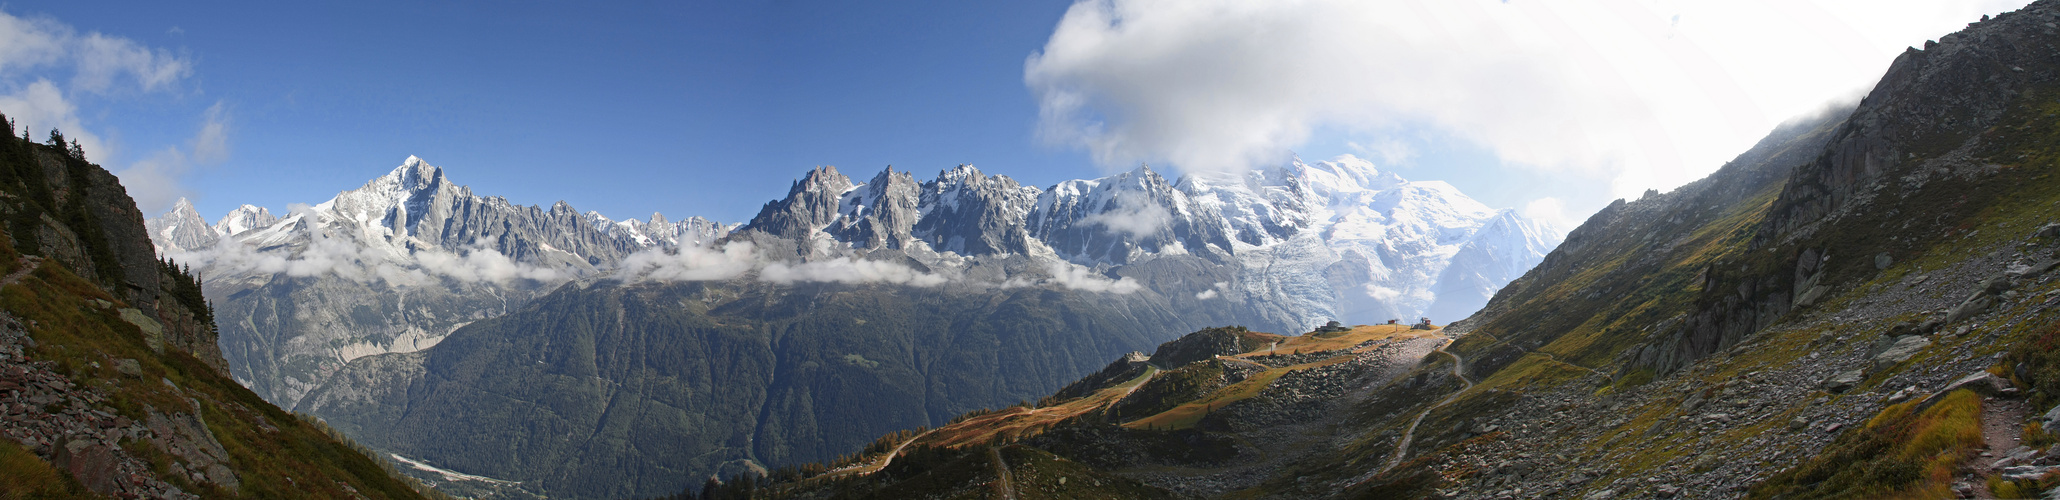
point(1018, 422)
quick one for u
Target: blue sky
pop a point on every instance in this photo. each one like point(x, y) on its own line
point(712, 108)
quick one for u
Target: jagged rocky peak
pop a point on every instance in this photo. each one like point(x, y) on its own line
point(810, 205)
point(180, 229)
point(880, 213)
point(971, 213)
point(412, 192)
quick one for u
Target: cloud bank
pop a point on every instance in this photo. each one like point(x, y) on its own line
point(1084, 279)
point(738, 259)
point(1646, 94)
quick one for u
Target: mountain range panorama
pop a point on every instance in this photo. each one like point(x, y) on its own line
point(344, 309)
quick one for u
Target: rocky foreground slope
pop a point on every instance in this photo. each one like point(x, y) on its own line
point(1864, 305)
point(110, 381)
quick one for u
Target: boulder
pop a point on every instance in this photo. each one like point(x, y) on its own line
point(1903, 395)
point(2051, 421)
point(1882, 261)
point(1844, 381)
point(92, 463)
point(128, 366)
point(1902, 350)
point(2026, 472)
point(1974, 304)
point(153, 332)
point(1984, 383)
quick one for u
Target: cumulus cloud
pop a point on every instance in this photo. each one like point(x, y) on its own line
point(1648, 94)
point(1081, 278)
point(1134, 215)
point(1212, 292)
point(103, 61)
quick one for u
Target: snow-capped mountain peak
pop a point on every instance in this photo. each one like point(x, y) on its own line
point(244, 218)
point(180, 229)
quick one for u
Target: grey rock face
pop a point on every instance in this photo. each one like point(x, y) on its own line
point(1983, 382)
point(1902, 350)
point(1844, 380)
point(181, 228)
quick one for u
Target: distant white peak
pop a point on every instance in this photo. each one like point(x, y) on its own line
point(658, 218)
point(415, 174)
point(959, 174)
point(183, 206)
point(599, 221)
point(244, 218)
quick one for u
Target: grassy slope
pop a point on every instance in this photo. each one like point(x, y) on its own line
point(296, 460)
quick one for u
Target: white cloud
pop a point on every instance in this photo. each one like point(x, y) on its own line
point(847, 270)
point(690, 263)
point(1081, 278)
point(1551, 211)
point(211, 144)
point(1649, 94)
point(1135, 215)
point(103, 60)
point(482, 263)
point(1212, 292)
point(41, 106)
point(739, 258)
point(326, 255)
point(155, 181)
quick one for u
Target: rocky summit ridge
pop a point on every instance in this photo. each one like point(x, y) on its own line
point(1315, 241)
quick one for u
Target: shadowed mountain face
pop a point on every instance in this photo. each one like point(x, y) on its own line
point(614, 390)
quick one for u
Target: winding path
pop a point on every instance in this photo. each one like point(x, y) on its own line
point(1004, 483)
point(1402, 447)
